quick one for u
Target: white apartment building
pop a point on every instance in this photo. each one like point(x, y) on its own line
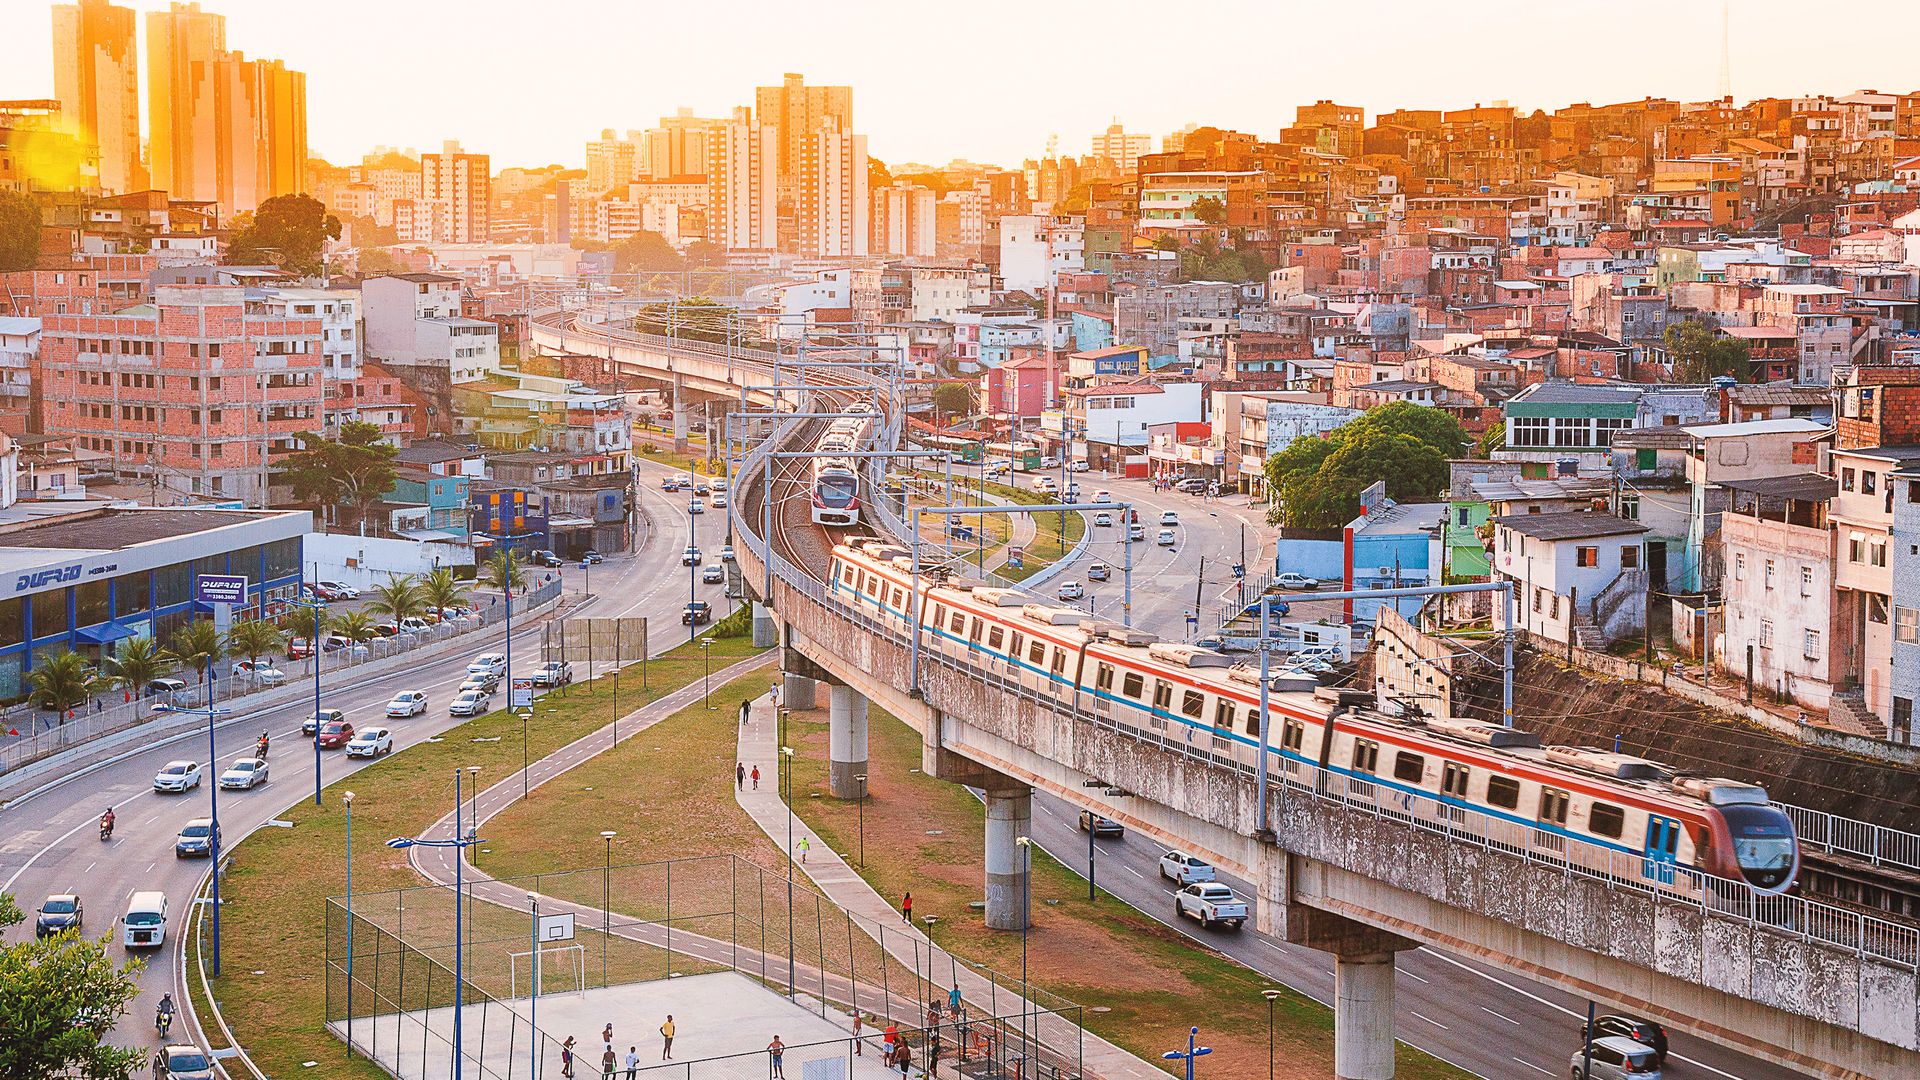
point(1024, 243)
point(743, 187)
point(339, 313)
point(415, 319)
point(460, 187)
point(905, 221)
point(835, 193)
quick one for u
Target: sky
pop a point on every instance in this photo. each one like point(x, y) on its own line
point(991, 80)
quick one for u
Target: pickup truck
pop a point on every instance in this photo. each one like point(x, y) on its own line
point(553, 673)
point(1211, 904)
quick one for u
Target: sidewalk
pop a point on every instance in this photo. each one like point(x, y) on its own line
point(848, 890)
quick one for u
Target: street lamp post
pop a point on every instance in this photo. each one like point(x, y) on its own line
point(1271, 996)
point(1026, 924)
point(457, 842)
point(606, 906)
point(706, 654)
point(347, 800)
point(786, 796)
point(863, 819)
point(1190, 1053)
point(533, 994)
point(314, 608)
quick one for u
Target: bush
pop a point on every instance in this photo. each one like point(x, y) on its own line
point(738, 624)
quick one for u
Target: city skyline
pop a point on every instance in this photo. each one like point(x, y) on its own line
point(975, 100)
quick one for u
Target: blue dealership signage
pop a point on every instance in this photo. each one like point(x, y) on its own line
point(221, 589)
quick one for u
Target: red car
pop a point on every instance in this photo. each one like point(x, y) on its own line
point(299, 648)
point(335, 735)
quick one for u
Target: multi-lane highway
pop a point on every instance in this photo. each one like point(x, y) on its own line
point(51, 842)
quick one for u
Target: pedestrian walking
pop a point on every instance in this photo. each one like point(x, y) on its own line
point(804, 845)
point(857, 1021)
point(740, 776)
point(756, 778)
point(666, 1039)
point(606, 1035)
point(745, 712)
point(566, 1058)
point(953, 1000)
point(933, 1051)
point(607, 1061)
point(775, 1050)
point(633, 1062)
point(906, 908)
point(774, 693)
point(903, 1057)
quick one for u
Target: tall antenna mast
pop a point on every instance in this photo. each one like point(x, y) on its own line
point(1726, 53)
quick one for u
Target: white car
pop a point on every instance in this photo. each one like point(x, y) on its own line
point(1099, 571)
point(1102, 495)
point(1102, 519)
point(1184, 868)
point(370, 742)
point(1168, 517)
point(415, 625)
point(713, 575)
point(726, 553)
point(259, 673)
point(340, 590)
point(690, 556)
point(719, 501)
point(1165, 539)
point(325, 716)
point(178, 776)
point(407, 703)
point(1071, 590)
point(1291, 580)
point(1136, 531)
point(492, 663)
point(243, 774)
point(696, 507)
point(471, 703)
point(719, 483)
point(1044, 483)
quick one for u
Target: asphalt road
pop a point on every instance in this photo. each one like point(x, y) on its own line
point(51, 840)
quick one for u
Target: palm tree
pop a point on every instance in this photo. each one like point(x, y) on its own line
point(253, 639)
point(309, 623)
point(400, 598)
point(503, 570)
point(440, 589)
point(64, 682)
point(141, 661)
point(196, 646)
point(355, 626)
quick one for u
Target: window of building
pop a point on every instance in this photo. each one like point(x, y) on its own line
point(1877, 552)
point(1766, 633)
point(1877, 609)
point(1856, 547)
point(1605, 819)
point(1847, 479)
point(1810, 646)
point(1769, 576)
point(1586, 556)
point(1806, 581)
point(1906, 624)
point(1630, 507)
point(1630, 557)
point(1530, 431)
point(50, 613)
point(90, 606)
point(1740, 566)
point(1869, 482)
point(1503, 791)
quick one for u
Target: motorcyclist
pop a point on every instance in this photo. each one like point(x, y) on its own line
point(106, 822)
point(163, 1013)
point(263, 745)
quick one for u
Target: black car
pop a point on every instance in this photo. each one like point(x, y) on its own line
point(61, 911)
point(1644, 1032)
point(589, 557)
point(544, 557)
point(696, 611)
point(1099, 826)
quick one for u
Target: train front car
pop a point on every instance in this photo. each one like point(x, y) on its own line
point(836, 493)
point(1751, 840)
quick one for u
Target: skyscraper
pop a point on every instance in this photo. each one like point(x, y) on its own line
point(797, 112)
point(742, 185)
point(260, 124)
point(458, 186)
point(183, 45)
point(683, 145)
point(613, 162)
point(822, 206)
point(96, 77)
point(834, 204)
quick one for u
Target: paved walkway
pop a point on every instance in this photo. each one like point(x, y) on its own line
point(847, 889)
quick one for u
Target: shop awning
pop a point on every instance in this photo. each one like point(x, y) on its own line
point(106, 633)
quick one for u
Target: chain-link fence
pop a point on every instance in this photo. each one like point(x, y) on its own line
point(642, 922)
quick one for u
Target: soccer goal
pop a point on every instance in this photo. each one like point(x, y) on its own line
point(560, 969)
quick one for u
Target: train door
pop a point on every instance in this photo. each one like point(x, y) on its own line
point(1663, 839)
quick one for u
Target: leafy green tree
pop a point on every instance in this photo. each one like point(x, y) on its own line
point(141, 661)
point(64, 682)
point(196, 646)
point(400, 598)
point(705, 254)
point(1318, 482)
point(1494, 439)
point(252, 639)
point(19, 231)
point(1435, 427)
point(953, 399)
point(1210, 210)
point(46, 984)
point(646, 250)
point(374, 262)
point(351, 473)
point(287, 231)
point(1699, 354)
point(440, 589)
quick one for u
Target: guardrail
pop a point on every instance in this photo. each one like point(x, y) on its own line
point(48, 735)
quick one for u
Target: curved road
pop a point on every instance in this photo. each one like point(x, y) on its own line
point(51, 843)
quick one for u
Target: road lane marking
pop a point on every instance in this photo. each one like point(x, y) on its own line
point(1534, 1067)
point(1429, 1020)
point(1508, 1019)
point(1412, 976)
point(1134, 872)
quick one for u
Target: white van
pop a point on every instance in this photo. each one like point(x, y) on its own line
point(145, 924)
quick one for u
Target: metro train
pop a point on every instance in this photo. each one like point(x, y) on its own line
point(836, 479)
point(1609, 812)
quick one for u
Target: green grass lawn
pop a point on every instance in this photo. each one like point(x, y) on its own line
point(272, 989)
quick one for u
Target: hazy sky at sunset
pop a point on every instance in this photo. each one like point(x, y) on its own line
point(989, 80)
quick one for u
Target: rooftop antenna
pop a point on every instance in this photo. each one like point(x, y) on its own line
point(1726, 53)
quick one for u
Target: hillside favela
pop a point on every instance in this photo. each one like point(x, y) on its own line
point(605, 541)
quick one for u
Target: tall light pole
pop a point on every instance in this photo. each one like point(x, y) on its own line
point(1190, 1053)
point(1271, 996)
point(346, 799)
point(1026, 924)
point(459, 937)
point(315, 608)
point(533, 994)
point(786, 796)
point(863, 819)
point(606, 907)
point(706, 654)
point(693, 535)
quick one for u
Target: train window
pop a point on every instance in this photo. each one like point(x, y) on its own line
point(846, 573)
point(1409, 767)
point(1553, 806)
point(995, 636)
point(1453, 780)
point(1294, 735)
point(939, 616)
point(978, 626)
point(1162, 695)
point(1366, 756)
point(1059, 661)
point(1132, 685)
point(1253, 720)
point(1223, 714)
point(1606, 819)
point(1038, 653)
point(1103, 677)
point(1503, 791)
point(959, 624)
point(1014, 638)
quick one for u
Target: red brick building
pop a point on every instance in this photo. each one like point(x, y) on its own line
point(189, 393)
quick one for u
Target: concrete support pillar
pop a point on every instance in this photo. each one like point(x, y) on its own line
point(1009, 816)
point(846, 740)
point(798, 693)
point(766, 632)
point(1363, 1016)
point(680, 405)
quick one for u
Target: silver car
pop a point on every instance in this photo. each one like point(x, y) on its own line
point(1615, 1057)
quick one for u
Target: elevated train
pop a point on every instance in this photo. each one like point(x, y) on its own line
point(836, 478)
point(1608, 812)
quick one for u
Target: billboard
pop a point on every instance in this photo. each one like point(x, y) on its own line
point(221, 589)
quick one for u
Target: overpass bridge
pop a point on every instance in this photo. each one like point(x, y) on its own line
point(1821, 989)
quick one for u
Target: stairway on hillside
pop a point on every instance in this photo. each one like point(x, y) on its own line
point(1847, 711)
point(1588, 635)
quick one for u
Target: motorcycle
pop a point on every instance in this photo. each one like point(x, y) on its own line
point(106, 830)
point(162, 1022)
